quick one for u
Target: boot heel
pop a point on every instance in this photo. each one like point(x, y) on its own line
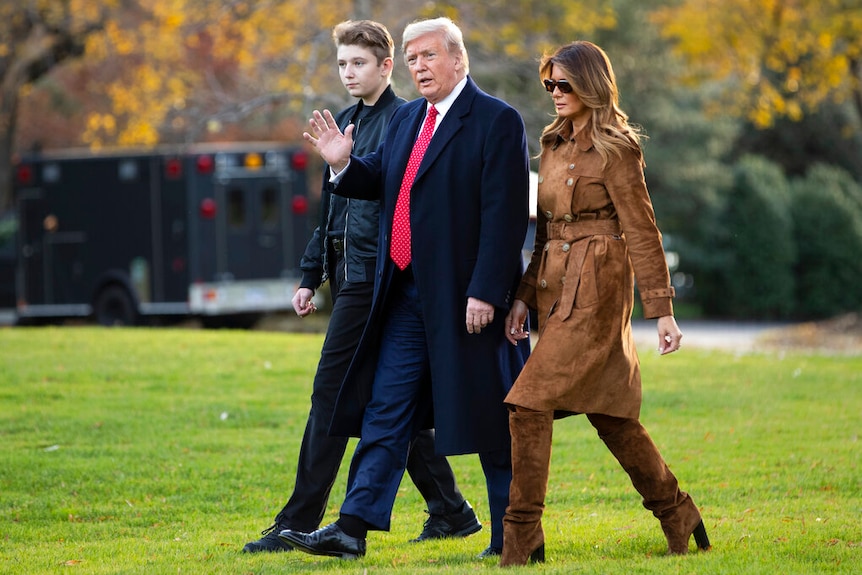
point(701, 538)
point(538, 556)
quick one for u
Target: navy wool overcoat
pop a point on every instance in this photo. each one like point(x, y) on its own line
point(469, 214)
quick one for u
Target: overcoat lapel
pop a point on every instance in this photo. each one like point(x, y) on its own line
point(405, 140)
point(449, 127)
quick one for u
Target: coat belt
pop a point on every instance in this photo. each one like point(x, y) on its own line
point(574, 231)
point(578, 234)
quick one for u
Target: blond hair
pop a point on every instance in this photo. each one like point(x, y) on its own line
point(588, 69)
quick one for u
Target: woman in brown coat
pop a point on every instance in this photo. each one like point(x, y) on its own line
point(595, 233)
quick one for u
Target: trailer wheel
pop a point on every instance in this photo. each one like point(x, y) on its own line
point(114, 307)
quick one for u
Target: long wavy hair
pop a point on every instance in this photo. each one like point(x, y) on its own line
point(588, 69)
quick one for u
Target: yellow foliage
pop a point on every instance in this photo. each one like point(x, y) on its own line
point(99, 128)
point(121, 40)
point(523, 29)
point(139, 132)
point(175, 65)
point(776, 57)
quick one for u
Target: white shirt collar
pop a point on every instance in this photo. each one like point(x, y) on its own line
point(445, 104)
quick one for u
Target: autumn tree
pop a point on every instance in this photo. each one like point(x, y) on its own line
point(506, 38)
point(178, 69)
point(770, 58)
point(186, 70)
point(35, 37)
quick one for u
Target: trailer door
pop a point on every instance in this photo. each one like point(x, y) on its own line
point(51, 257)
point(32, 210)
point(251, 229)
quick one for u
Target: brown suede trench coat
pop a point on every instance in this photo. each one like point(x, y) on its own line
point(595, 232)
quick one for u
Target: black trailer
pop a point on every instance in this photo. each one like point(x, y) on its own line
point(209, 231)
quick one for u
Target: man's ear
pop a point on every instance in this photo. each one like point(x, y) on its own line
point(459, 62)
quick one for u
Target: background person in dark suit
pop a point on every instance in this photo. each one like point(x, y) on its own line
point(343, 249)
point(433, 352)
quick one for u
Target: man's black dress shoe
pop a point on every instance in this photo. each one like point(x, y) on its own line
point(460, 524)
point(490, 552)
point(269, 542)
point(330, 541)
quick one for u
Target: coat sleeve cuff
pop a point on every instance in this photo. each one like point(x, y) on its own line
point(311, 280)
point(657, 302)
point(527, 294)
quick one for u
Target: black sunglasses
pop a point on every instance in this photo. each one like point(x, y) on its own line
point(563, 85)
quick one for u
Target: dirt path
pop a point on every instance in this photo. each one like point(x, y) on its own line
point(839, 335)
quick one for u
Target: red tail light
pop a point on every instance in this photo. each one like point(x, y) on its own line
point(24, 174)
point(173, 168)
point(208, 208)
point(299, 205)
point(299, 161)
point(205, 164)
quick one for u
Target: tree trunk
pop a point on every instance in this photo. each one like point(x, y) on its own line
point(9, 90)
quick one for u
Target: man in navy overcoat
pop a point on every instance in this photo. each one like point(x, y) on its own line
point(433, 353)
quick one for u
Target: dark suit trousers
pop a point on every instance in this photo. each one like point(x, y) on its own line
point(320, 454)
point(401, 386)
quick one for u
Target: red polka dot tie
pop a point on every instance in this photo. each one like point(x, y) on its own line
point(399, 248)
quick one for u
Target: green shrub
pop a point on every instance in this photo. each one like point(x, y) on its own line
point(827, 210)
point(703, 250)
point(757, 279)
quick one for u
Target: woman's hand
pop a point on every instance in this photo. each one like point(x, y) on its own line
point(516, 321)
point(669, 335)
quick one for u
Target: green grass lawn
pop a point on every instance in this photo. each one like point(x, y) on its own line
point(166, 450)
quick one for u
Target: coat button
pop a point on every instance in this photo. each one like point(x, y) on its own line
point(541, 179)
point(563, 280)
point(570, 181)
point(549, 214)
point(565, 247)
point(571, 166)
point(547, 247)
point(568, 217)
point(543, 283)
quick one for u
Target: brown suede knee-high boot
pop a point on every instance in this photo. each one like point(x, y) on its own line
point(523, 538)
point(634, 449)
